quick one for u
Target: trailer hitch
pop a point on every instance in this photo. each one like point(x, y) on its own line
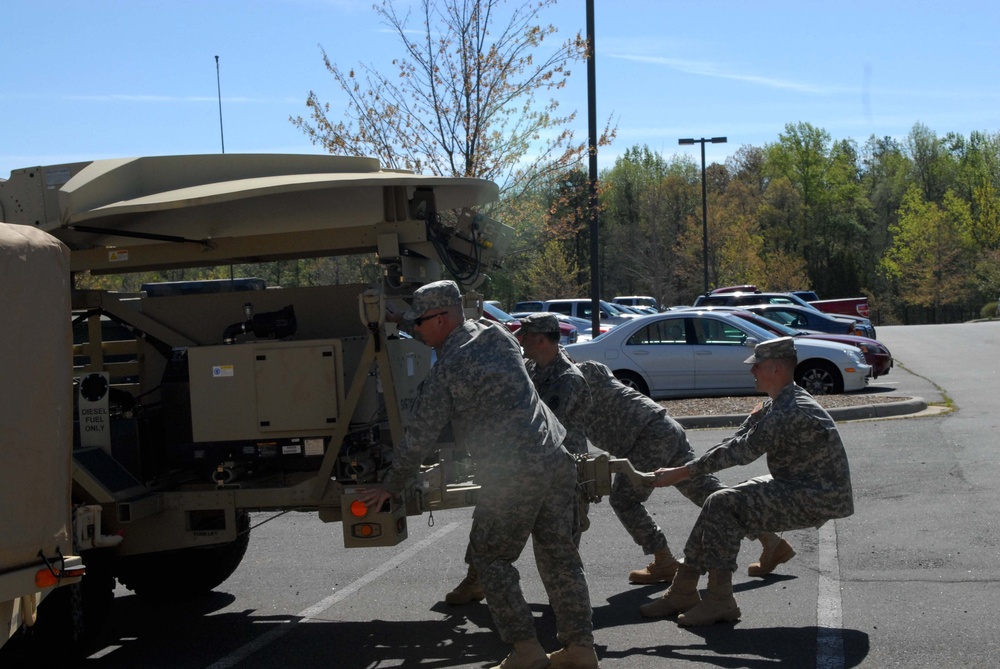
point(594, 474)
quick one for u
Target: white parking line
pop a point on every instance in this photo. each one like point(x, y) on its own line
point(829, 618)
point(306, 615)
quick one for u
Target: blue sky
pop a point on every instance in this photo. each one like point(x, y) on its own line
point(88, 79)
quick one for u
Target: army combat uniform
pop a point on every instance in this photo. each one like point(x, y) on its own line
point(809, 482)
point(528, 479)
point(627, 424)
point(564, 390)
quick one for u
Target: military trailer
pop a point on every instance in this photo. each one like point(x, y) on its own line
point(38, 559)
point(194, 404)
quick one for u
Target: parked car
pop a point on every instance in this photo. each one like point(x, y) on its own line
point(569, 332)
point(528, 306)
point(732, 297)
point(583, 327)
point(800, 318)
point(578, 308)
point(742, 288)
point(637, 301)
point(701, 353)
point(876, 354)
point(735, 296)
point(745, 299)
point(848, 306)
point(583, 308)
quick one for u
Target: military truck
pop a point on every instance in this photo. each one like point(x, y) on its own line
point(195, 404)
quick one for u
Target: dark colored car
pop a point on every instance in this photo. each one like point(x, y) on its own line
point(801, 318)
point(875, 352)
point(747, 298)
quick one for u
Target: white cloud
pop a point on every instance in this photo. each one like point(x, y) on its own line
point(713, 70)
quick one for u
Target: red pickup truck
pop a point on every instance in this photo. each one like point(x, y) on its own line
point(848, 306)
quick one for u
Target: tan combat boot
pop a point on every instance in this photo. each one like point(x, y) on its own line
point(526, 655)
point(719, 605)
point(679, 597)
point(776, 551)
point(574, 656)
point(469, 590)
point(660, 570)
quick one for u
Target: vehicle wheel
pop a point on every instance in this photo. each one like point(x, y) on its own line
point(632, 380)
point(188, 572)
point(819, 377)
point(97, 590)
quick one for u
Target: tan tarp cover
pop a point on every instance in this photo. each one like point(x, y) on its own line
point(234, 195)
point(36, 400)
point(159, 212)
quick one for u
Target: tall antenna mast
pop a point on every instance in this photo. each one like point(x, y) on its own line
point(218, 83)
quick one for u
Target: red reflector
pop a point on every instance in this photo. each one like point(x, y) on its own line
point(359, 509)
point(45, 578)
point(366, 530)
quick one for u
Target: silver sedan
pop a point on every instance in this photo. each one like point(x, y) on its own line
point(701, 354)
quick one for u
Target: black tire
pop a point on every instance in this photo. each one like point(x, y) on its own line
point(185, 573)
point(632, 380)
point(97, 590)
point(819, 377)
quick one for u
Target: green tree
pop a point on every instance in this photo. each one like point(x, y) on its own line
point(934, 167)
point(554, 274)
point(825, 227)
point(569, 218)
point(984, 224)
point(800, 157)
point(929, 256)
point(646, 204)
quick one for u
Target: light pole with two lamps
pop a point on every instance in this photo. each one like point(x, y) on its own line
point(704, 196)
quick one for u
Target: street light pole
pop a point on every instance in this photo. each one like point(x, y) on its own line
point(595, 277)
point(704, 197)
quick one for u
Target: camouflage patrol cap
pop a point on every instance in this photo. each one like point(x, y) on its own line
point(541, 322)
point(773, 349)
point(436, 295)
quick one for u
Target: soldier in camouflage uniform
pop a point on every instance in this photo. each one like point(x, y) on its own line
point(809, 484)
point(561, 386)
point(528, 480)
point(628, 424)
point(563, 389)
point(558, 381)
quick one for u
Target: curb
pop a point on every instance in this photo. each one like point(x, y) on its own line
point(839, 414)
